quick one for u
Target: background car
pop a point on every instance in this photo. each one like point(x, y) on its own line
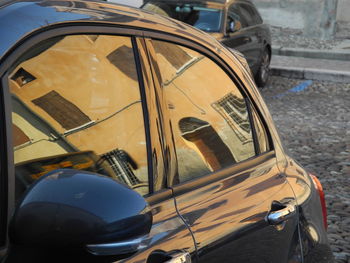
point(236, 23)
point(134, 137)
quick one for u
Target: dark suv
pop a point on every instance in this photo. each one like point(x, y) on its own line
point(236, 23)
point(135, 137)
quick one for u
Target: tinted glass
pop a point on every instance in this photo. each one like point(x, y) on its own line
point(235, 15)
point(197, 15)
point(209, 115)
point(76, 104)
point(248, 14)
point(256, 16)
point(261, 134)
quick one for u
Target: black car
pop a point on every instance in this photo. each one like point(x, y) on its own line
point(235, 23)
point(131, 137)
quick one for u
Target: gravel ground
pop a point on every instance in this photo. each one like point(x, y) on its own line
point(294, 38)
point(315, 126)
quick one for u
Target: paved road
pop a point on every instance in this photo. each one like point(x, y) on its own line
point(314, 122)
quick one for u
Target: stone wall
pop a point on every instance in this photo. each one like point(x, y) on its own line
point(343, 12)
point(315, 18)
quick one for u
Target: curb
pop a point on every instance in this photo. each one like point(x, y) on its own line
point(311, 53)
point(312, 74)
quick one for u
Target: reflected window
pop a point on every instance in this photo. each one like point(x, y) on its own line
point(19, 137)
point(209, 114)
point(59, 108)
point(234, 110)
point(176, 56)
point(82, 110)
point(22, 77)
point(118, 58)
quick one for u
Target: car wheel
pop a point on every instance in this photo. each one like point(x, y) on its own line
point(263, 74)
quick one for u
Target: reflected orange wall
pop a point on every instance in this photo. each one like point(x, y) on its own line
point(191, 92)
point(78, 69)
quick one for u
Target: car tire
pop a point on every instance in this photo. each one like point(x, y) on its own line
point(263, 73)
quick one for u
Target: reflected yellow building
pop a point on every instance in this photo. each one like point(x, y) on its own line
point(81, 93)
point(211, 131)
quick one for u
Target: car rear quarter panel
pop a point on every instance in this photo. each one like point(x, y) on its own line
point(312, 230)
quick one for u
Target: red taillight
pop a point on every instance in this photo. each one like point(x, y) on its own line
point(319, 188)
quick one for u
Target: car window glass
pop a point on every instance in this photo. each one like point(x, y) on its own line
point(248, 14)
point(195, 14)
point(76, 105)
point(209, 115)
point(261, 134)
point(235, 15)
point(255, 14)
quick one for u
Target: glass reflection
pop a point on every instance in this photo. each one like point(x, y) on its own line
point(76, 104)
point(213, 129)
point(198, 15)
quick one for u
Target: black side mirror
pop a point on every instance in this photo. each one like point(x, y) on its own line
point(231, 26)
point(78, 209)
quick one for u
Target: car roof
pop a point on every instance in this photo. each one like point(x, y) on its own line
point(19, 19)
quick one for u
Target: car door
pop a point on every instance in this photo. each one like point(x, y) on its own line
point(245, 36)
point(227, 187)
point(76, 98)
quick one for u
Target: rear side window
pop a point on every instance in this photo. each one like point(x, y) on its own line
point(250, 14)
point(76, 105)
point(194, 14)
point(209, 115)
point(236, 16)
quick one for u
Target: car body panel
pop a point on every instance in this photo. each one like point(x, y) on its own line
point(228, 217)
point(168, 232)
point(248, 43)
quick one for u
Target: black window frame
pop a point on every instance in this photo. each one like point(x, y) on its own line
point(26, 44)
point(5, 184)
point(228, 171)
point(265, 129)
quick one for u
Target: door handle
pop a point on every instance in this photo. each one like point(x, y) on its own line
point(279, 216)
point(179, 257)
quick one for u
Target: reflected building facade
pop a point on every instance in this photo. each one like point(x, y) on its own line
point(76, 94)
point(211, 132)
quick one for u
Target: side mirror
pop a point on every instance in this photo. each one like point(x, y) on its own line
point(232, 25)
point(77, 209)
